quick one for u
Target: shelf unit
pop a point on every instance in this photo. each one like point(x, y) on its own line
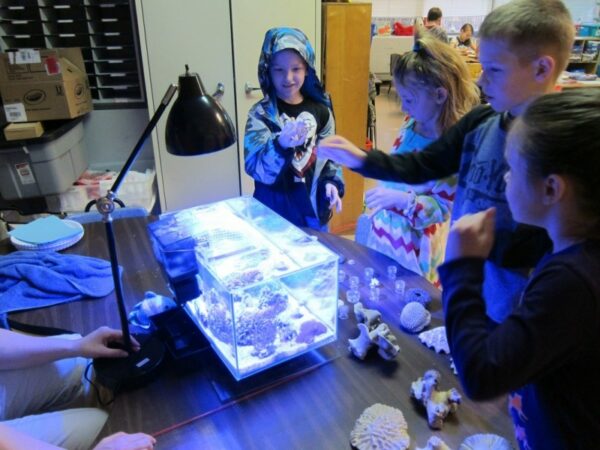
point(585, 54)
point(103, 29)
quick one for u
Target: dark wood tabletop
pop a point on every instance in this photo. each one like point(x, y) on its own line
point(314, 407)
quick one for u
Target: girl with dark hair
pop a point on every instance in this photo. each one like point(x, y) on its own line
point(546, 353)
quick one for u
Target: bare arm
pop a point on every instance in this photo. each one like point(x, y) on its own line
point(18, 351)
point(11, 439)
point(342, 151)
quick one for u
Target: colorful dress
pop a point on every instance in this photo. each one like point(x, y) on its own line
point(416, 235)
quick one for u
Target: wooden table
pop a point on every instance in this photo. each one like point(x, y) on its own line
point(313, 410)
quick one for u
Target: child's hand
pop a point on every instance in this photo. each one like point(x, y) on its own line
point(472, 235)
point(293, 134)
point(383, 198)
point(342, 151)
point(331, 191)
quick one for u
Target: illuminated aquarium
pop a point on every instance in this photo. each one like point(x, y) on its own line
point(262, 290)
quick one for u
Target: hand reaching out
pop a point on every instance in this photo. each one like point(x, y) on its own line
point(472, 235)
point(95, 344)
point(293, 134)
point(331, 191)
point(384, 198)
point(342, 151)
point(126, 441)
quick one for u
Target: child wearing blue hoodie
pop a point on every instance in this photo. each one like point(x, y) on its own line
point(282, 132)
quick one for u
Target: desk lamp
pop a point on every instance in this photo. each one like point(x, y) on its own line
point(196, 125)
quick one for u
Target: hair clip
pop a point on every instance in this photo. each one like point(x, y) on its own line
point(417, 47)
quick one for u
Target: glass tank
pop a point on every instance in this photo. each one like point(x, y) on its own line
point(261, 290)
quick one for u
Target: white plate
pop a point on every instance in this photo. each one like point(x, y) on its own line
point(61, 244)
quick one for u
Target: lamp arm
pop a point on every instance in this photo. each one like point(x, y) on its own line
point(106, 206)
point(114, 265)
point(140, 143)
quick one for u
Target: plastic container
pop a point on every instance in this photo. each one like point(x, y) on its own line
point(45, 165)
point(269, 291)
point(138, 189)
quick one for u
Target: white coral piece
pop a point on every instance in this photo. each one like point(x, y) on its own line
point(435, 443)
point(360, 345)
point(380, 427)
point(437, 403)
point(381, 336)
point(414, 317)
point(386, 341)
point(436, 339)
point(485, 442)
point(370, 317)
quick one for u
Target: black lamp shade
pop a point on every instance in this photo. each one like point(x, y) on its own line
point(197, 123)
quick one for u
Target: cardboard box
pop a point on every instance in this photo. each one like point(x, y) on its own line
point(26, 130)
point(45, 84)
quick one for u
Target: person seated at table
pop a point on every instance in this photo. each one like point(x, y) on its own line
point(465, 39)
point(546, 353)
point(39, 376)
point(410, 223)
point(433, 24)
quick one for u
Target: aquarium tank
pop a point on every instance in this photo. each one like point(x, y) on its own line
point(261, 290)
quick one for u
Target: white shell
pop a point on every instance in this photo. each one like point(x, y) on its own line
point(485, 442)
point(436, 339)
point(414, 317)
point(435, 443)
point(380, 427)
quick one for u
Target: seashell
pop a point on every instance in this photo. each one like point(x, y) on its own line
point(435, 443)
point(380, 427)
point(417, 295)
point(414, 317)
point(435, 339)
point(485, 442)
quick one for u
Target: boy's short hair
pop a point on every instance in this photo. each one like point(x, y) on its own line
point(434, 14)
point(533, 28)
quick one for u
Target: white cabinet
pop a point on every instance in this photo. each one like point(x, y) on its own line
point(381, 49)
point(221, 40)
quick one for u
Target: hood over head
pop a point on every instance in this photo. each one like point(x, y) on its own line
point(282, 38)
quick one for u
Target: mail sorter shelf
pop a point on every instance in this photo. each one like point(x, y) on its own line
point(103, 30)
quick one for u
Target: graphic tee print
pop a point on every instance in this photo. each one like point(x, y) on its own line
point(304, 155)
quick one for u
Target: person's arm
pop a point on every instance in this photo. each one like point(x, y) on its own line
point(421, 210)
point(18, 350)
point(11, 439)
point(539, 335)
point(439, 159)
point(264, 157)
point(331, 177)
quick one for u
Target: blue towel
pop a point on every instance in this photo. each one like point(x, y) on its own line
point(30, 279)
